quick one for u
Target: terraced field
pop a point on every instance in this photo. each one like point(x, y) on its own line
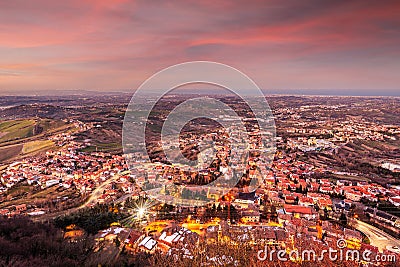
point(9, 152)
point(35, 146)
point(24, 137)
point(16, 129)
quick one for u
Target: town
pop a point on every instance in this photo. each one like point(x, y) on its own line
point(306, 197)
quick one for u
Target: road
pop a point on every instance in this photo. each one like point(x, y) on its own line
point(377, 237)
point(98, 192)
point(91, 200)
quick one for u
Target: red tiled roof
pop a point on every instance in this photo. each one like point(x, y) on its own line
point(297, 209)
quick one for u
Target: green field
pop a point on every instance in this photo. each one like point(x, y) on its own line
point(25, 194)
point(103, 147)
point(20, 129)
point(11, 130)
point(23, 137)
point(35, 146)
point(9, 152)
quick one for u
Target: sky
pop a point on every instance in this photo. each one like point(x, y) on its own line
point(299, 47)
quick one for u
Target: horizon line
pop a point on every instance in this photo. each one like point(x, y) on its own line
point(266, 92)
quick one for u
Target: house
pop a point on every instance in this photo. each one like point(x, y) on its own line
point(324, 203)
point(112, 233)
point(289, 199)
point(20, 208)
point(341, 182)
point(353, 195)
point(73, 232)
point(250, 217)
point(306, 201)
point(313, 187)
point(300, 211)
point(147, 244)
point(395, 201)
point(131, 243)
point(52, 182)
point(248, 198)
point(4, 212)
point(175, 237)
point(326, 189)
point(344, 205)
point(353, 239)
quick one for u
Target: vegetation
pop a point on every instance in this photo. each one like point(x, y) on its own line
point(91, 220)
point(16, 129)
point(35, 146)
point(103, 147)
point(9, 152)
point(24, 137)
point(26, 243)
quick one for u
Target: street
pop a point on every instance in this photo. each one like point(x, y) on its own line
point(377, 237)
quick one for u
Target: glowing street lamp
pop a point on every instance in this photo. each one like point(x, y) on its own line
point(141, 212)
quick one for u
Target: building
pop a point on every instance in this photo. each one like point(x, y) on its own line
point(300, 211)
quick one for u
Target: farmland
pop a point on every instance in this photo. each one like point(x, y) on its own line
point(25, 137)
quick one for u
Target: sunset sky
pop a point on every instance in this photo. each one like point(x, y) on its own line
point(302, 47)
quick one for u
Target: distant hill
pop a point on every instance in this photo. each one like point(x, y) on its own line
point(35, 110)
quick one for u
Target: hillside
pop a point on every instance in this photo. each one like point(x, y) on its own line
point(24, 137)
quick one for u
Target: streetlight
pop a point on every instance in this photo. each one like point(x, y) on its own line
point(141, 212)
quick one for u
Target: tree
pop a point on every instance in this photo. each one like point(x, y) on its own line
point(27, 243)
point(343, 219)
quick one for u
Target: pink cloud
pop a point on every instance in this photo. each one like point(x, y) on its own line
point(69, 44)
